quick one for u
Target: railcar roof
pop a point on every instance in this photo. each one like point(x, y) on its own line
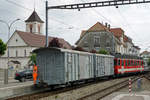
point(67, 50)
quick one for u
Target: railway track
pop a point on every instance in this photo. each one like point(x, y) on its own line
point(48, 92)
point(109, 90)
point(98, 95)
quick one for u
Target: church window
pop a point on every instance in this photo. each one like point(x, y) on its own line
point(25, 53)
point(16, 53)
point(31, 28)
point(39, 28)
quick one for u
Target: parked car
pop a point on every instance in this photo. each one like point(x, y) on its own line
point(23, 76)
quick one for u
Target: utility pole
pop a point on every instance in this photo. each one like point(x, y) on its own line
point(6, 69)
point(46, 25)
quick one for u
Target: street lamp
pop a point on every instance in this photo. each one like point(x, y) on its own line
point(6, 70)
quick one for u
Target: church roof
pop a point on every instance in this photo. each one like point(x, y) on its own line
point(34, 17)
point(37, 40)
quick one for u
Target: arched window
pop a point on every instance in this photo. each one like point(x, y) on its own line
point(31, 28)
point(25, 53)
point(16, 53)
point(39, 28)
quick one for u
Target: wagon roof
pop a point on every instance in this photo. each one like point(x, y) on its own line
point(67, 50)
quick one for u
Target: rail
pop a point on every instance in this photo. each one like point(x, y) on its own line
point(100, 94)
point(107, 91)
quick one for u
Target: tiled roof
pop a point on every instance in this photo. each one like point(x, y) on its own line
point(82, 33)
point(145, 53)
point(95, 28)
point(37, 40)
point(98, 27)
point(34, 17)
point(117, 32)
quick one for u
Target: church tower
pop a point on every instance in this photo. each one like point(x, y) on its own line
point(34, 24)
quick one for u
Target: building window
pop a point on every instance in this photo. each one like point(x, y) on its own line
point(16, 40)
point(85, 44)
point(107, 44)
point(16, 53)
point(25, 53)
point(39, 28)
point(31, 28)
point(96, 41)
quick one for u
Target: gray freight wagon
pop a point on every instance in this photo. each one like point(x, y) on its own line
point(61, 66)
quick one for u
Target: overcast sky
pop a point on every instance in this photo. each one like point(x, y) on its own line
point(67, 24)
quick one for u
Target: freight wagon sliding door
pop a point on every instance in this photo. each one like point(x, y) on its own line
point(71, 67)
point(84, 70)
point(100, 67)
point(109, 66)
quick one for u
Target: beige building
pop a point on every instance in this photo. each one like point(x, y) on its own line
point(21, 44)
point(101, 36)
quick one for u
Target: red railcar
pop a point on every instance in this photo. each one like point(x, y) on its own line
point(124, 65)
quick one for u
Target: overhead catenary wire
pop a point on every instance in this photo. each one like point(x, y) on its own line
point(54, 19)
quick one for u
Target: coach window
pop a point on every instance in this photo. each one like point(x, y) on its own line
point(138, 63)
point(133, 63)
point(122, 62)
point(126, 62)
point(130, 62)
point(142, 63)
point(119, 62)
point(115, 62)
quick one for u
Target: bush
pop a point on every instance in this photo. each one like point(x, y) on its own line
point(55, 43)
point(2, 47)
point(32, 60)
point(103, 51)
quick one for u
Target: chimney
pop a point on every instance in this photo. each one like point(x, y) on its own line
point(109, 26)
point(105, 24)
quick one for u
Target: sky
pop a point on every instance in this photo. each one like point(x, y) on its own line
point(68, 24)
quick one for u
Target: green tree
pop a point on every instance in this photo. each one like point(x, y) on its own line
point(32, 60)
point(2, 47)
point(103, 51)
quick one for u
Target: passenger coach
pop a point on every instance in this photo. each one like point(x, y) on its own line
point(124, 65)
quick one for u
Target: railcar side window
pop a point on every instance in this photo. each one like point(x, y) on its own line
point(140, 63)
point(133, 62)
point(129, 63)
point(122, 62)
point(115, 62)
point(119, 62)
point(126, 62)
point(136, 63)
